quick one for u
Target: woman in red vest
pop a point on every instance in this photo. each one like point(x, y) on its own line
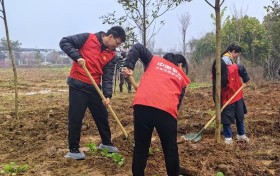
point(97, 52)
point(156, 104)
point(231, 74)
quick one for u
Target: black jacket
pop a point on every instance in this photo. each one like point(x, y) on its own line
point(138, 51)
point(71, 45)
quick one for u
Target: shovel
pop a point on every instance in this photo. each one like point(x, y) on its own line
point(195, 137)
point(103, 98)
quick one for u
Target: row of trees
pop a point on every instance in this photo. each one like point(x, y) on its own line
point(260, 41)
point(272, 24)
point(4, 44)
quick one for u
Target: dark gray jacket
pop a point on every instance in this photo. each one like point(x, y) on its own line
point(71, 45)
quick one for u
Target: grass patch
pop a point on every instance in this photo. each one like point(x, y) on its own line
point(13, 169)
point(195, 85)
point(116, 157)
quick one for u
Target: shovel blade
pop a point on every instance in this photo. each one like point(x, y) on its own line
point(190, 136)
point(198, 138)
point(193, 137)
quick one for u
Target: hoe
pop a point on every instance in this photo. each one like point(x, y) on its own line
point(103, 98)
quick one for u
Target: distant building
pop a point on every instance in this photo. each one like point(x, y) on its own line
point(30, 57)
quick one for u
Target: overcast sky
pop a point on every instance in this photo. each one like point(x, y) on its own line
point(42, 23)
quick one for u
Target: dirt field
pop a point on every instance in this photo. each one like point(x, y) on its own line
point(39, 138)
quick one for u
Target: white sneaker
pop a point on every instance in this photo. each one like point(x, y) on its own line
point(76, 156)
point(228, 141)
point(111, 149)
point(243, 138)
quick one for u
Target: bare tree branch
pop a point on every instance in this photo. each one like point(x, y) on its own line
point(137, 24)
point(222, 3)
point(163, 12)
point(144, 14)
point(132, 17)
point(2, 17)
point(169, 8)
point(141, 2)
point(184, 20)
point(2, 4)
point(209, 4)
point(154, 33)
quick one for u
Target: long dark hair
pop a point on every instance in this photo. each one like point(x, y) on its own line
point(177, 59)
point(231, 48)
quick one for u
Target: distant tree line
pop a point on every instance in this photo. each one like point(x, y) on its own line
point(260, 41)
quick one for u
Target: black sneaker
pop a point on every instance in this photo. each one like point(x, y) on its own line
point(75, 150)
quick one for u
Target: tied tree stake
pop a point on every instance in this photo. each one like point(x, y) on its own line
point(4, 17)
point(217, 8)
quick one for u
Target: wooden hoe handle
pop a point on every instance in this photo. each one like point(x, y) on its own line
point(234, 95)
point(103, 98)
point(132, 81)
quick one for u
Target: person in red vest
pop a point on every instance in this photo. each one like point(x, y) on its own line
point(97, 52)
point(156, 104)
point(231, 74)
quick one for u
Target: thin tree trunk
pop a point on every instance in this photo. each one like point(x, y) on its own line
point(184, 44)
point(218, 72)
point(115, 82)
point(12, 60)
point(144, 23)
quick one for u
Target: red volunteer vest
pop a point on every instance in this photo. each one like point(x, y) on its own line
point(95, 60)
point(161, 85)
point(234, 83)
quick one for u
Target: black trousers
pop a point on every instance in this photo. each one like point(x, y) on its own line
point(79, 101)
point(122, 81)
point(234, 111)
point(145, 120)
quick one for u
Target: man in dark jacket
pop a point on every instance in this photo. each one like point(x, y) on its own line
point(123, 79)
point(97, 53)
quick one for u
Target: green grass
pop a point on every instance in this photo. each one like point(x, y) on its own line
point(92, 147)
point(13, 169)
point(195, 85)
point(219, 174)
point(116, 157)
